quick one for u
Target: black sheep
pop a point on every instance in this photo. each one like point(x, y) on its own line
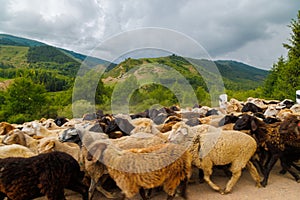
point(46, 174)
point(59, 121)
point(251, 107)
point(280, 140)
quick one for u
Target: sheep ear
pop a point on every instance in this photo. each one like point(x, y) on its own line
point(50, 146)
point(253, 126)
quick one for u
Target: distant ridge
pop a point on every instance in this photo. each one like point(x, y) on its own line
point(6, 39)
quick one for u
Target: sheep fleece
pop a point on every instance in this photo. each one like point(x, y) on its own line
point(42, 175)
point(161, 165)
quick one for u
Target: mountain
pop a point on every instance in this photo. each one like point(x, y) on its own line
point(18, 55)
point(235, 75)
point(237, 71)
point(18, 41)
point(9, 40)
point(54, 67)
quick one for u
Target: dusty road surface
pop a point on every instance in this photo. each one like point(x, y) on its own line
point(280, 187)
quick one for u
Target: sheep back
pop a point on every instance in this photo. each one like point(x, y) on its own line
point(231, 146)
point(165, 164)
point(42, 175)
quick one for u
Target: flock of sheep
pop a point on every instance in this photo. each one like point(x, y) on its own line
point(152, 149)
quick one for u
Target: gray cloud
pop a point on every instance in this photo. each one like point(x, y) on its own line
point(249, 31)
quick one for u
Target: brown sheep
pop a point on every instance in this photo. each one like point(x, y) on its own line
point(145, 168)
point(46, 174)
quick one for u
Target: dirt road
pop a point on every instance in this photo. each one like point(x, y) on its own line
point(280, 187)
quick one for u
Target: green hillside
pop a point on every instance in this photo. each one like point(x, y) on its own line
point(18, 41)
point(37, 80)
point(13, 56)
point(236, 75)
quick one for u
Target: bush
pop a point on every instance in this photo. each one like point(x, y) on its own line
point(19, 119)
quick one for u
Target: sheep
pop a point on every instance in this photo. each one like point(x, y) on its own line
point(251, 107)
point(36, 129)
point(258, 102)
point(72, 122)
point(15, 150)
point(287, 103)
point(271, 111)
point(20, 137)
point(271, 142)
point(284, 113)
point(59, 121)
point(50, 124)
point(94, 171)
point(42, 175)
point(144, 168)
point(145, 125)
point(228, 119)
point(79, 155)
point(291, 153)
point(5, 128)
point(201, 111)
point(211, 146)
point(53, 144)
point(213, 120)
point(137, 140)
point(233, 106)
point(296, 109)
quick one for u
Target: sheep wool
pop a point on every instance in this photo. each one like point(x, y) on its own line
point(160, 165)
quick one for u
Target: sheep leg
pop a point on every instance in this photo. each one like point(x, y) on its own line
point(99, 187)
point(232, 181)
point(2, 196)
point(201, 176)
point(287, 167)
point(170, 197)
point(107, 194)
point(283, 171)
point(296, 166)
point(92, 189)
point(182, 186)
point(254, 173)
point(207, 174)
point(143, 194)
point(80, 188)
point(269, 165)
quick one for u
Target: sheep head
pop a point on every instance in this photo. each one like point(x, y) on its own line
point(246, 122)
point(95, 152)
point(15, 137)
point(5, 128)
point(70, 135)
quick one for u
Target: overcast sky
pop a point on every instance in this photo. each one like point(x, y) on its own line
point(250, 31)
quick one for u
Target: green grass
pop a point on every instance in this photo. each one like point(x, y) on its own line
point(14, 55)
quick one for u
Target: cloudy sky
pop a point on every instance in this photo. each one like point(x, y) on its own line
point(251, 31)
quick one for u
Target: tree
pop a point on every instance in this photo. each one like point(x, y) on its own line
point(25, 97)
point(294, 46)
point(284, 78)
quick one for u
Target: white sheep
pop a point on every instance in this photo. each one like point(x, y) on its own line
point(34, 128)
point(211, 146)
point(136, 169)
point(20, 137)
point(15, 150)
